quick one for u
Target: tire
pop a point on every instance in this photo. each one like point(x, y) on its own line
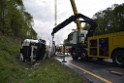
point(74, 54)
point(100, 59)
point(84, 56)
point(118, 58)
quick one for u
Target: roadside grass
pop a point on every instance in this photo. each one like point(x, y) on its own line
point(14, 71)
point(50, 71)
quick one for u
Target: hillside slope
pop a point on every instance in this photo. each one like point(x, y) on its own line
point(14, 71)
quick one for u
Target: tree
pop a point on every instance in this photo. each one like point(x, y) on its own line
point(109, 20)
point(14, 20)
point(65, 41)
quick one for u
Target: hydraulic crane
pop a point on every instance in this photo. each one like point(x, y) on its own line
point(108, 46)
point(74, 18)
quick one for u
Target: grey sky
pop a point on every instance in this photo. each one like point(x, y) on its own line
point(43, 14)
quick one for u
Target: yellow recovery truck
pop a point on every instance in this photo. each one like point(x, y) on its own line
point(109, 46)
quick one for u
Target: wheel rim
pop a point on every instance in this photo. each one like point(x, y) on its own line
point(74, 54)
point(119, 59)
point(83, 55)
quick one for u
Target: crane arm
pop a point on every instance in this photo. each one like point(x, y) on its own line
point(63, 24)
point(75, 11)
point(73, 18)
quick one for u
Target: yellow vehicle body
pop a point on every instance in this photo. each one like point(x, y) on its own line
point(103, 46)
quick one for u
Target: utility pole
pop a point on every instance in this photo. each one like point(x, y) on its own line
point(55, 7)
point(55, 12)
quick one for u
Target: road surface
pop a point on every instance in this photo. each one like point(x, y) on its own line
point(94, 71)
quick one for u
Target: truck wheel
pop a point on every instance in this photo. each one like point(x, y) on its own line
point(100, 59)
point(118, 58)
point(84, 56)
point(74, 54)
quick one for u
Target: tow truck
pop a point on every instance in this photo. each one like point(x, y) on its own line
point(110, 46)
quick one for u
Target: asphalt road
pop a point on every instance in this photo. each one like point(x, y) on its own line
point(94, 71)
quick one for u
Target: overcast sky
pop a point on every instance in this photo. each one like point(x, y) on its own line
point(43, 13)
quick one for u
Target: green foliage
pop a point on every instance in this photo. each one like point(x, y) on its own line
point(14, 20)
point(50, 71)
point(66, 41)
point(109, 20)
point(9, 68)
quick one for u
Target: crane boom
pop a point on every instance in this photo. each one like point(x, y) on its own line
point(73, 18)
point(79, 27)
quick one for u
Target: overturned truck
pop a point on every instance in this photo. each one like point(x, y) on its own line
point(33, 50)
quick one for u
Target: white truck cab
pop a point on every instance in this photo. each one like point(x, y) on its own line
point(72, 37)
